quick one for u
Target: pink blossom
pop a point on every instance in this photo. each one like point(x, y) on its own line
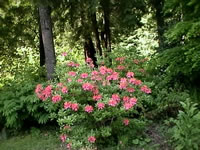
point(100, 105)
point(121, 59)
point(38, 88)
point(145, 89)
point(123, 85)
point(80, 81)
point(112, 102)
point(89, 109)
point(126, 99)
point(69, 145)
point(56, 98)
point(47, 91)
point(126, 122)
point(135, 81)
point(64, 90)
point(60, 84)
point(94, 73)
point(72, 64)
point(95, 91)
point(103, 70)
point(87, 86)
point(89, 60)
point(128, 106)
point(130, 89)
point(72, 73)
point(97, 97)
point(91, 139)
point(69, 80)
point(133, 101)
point(74, 106)
point(64, 54)
point(120, 67)
point(116, 97)
point(115, 75)
point(123, 80)
point(109, 70)
point(129, 74)
point(84, 75)
point(63, 137)
point(67, 105)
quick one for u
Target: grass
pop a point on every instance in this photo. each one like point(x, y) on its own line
point(35, 140)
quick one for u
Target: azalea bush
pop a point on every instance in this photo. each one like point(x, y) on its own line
point(98, 107)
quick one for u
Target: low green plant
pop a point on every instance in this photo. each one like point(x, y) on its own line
point(18, 102)
point(186, 132)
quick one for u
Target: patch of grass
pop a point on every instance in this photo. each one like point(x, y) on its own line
point(35, 140)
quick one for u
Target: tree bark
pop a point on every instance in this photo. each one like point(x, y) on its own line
point(47, 38)
point(42, 53)
point(106, 34)
point(89, 50)
point(158, 6)
point(96, 32)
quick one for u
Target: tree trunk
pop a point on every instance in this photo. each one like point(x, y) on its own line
point(158, 5)
point(107, 33)
point(42, 53)
point(89, 50)
point(96, 32)
point(47, 38)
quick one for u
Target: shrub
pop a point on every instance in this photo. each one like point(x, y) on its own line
point(97, 106)
point(186, 132)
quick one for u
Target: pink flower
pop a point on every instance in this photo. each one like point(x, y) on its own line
point(64, 54)
point(56, 98)
point(67, 105)
point(109, 70)
point(133, 101)
point(121, 59)
point(145, 89)
point(89, 109)
point(94, 73)
point(123, 85)
point(72, 73)
point(84, 75)
point(60, 84)
point(88, 60)
point(135, 81)
point(79, 80)
point(115, 75)
point(91, 139)
point(87, 86)
point(116, 97)
point(95, 91)
point(130, 89)
point(112, 102)
point(74, 106)
point(103, 70)
point(129, 74)
point(120, 67)
point(128, 106)
point(69, 145)
point(38, 88)
point(123, 80)
point(64, 90)
point(126, 99)
point(47, 91)
point(100, 105)
point(126, 122)
point(72, 64)
point(69, 80)
point(63, 137)
point(97, 97)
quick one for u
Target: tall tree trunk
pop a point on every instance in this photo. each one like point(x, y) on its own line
point(96, 32)
point(107, 33)
point(47, 38)
point(89, 50)
point(42, 53)
point(158, 6)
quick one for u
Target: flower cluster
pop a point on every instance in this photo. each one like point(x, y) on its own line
point(93, 98)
